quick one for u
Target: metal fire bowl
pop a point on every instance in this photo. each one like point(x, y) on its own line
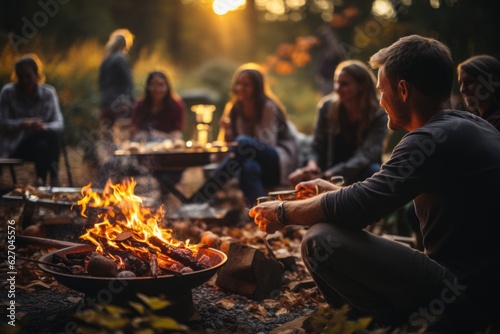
point(127, 288)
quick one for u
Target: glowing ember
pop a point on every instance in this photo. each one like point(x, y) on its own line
point(125, 225)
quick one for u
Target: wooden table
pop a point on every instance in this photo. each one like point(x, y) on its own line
point(165, 163)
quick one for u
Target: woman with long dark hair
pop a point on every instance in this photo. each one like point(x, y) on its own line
point(479, 81)
point(160, 114)
point(157, 116)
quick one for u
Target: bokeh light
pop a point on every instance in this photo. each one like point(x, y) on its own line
point(383, 8)
point(222, 7)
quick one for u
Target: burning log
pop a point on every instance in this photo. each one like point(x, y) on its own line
point(140, 261)
point(122, 223)
point(154, 265)
point(71, 260)
point(131, 262)
point(177, 254)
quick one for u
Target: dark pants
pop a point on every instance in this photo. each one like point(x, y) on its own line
point(43, 148)
point(393, 283)
point(364, 174)
point(255, 164)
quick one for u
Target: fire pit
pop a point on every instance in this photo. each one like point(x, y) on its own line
point(132, 253)
point(175, 288)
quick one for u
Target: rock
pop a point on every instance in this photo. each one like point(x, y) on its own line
point(125, 274)
point(101, 266)
point(34, 231)
point(210, 239)
point(225, 242)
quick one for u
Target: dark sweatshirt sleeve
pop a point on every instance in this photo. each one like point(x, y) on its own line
point(399, 181)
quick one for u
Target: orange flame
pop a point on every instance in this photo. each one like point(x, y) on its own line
point(119, 211)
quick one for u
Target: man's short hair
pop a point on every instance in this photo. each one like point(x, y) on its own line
point(424, 62)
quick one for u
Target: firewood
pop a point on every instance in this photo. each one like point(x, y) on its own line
point(154, 265)
point(177, 254)
point(134, 263)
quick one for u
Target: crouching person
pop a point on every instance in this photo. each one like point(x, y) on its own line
point(449, 165)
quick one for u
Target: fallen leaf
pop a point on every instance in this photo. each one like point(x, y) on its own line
point(281, 311)
point(74, 300)
point(225, 304)
point(258, 309)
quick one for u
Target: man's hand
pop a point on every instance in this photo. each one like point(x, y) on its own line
point(312, 188)
point(264, 215)
point(306, 212)
point(304, 174)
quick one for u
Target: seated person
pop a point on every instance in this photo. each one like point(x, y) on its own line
point(479, 81)
point(350, 128)
point(31, 121)
point(267, 149)
point(160, 114)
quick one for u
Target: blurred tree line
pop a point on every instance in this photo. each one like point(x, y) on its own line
point(190, 32)
point(294, 39)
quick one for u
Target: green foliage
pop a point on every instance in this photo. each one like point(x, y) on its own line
point(300, 96)
point(146, 319)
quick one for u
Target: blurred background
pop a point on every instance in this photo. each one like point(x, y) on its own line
point(200, 43)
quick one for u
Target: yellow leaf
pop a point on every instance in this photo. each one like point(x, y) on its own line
point(85, 315)
point(154, 303)
point(144, 331)
point(113, 323)
point(115, 310)
point(138, 307)
point(166, 323)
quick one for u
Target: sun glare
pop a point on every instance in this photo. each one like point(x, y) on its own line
point(383, 8)
point(222, 7)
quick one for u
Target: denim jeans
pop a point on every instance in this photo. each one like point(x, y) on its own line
point(258, 166)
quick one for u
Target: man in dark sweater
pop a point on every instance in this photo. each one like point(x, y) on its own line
point(449, 165)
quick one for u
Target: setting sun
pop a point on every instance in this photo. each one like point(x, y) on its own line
point(222, 7)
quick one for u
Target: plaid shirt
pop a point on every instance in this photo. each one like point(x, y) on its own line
point(14, 107)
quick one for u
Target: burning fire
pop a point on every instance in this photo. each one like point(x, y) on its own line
point(122, 216)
